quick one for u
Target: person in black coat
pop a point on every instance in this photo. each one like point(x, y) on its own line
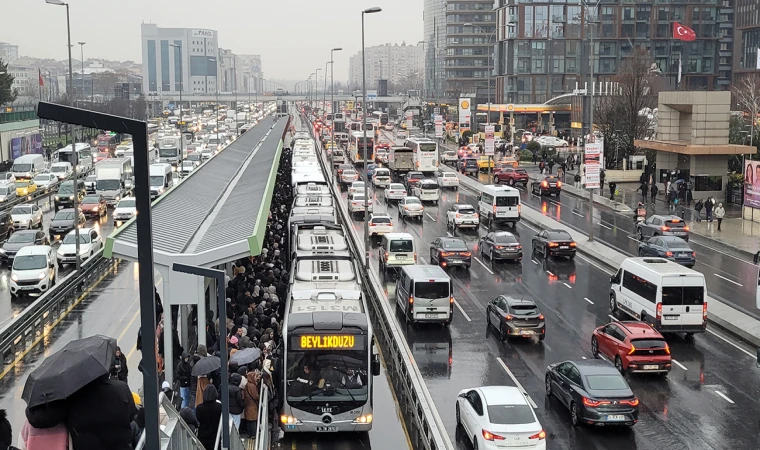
point(6, 432)
point(208, 414)
point(119, 368)
point(100, 416)
point(237, 402)
point(184, 376)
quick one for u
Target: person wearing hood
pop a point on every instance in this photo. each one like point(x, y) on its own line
point(236, 399)
point(184, 376)
point(44, 428)
point(100, 414)
point(208, 414)
point(6, 432)
point(251, 399)
point(119, 368)
point(188, 416)
point(137, 425)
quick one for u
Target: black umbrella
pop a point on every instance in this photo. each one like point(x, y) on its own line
point(65, 372)
point(245, 356)
point(206, 365)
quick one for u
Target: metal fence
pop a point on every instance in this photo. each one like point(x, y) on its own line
point(263, 435)
point(29, 327)
point(236, 442)
point(173, 431)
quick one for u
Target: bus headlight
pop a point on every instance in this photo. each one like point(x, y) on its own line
point(289, 420)
point(362, 420)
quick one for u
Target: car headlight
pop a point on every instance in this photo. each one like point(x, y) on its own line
point(95, 209)
point(2, 251)
point(365, 419)
point(60, 251)
point(71, 198)
point(42, 275)
point(118, 197)
point(14, 277)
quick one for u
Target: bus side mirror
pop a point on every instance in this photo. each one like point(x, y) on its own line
point(376, 364)
point(757, 363)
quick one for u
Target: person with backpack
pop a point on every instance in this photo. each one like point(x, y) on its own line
point(698, 208)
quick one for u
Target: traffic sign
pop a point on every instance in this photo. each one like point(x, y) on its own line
point(371, 97)
point(576, 125)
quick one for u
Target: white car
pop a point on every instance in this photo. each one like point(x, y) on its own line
point(552, 141)
point(462, 216)
point(187, 167)
point(46, 181)
point(410, 207)
point(356, 187)
point(427, 191)
point(395, 192)
point(89, 243)
point(348, 176)
point(356, 203)
point(125, 210)
point(400, 133)
point(389, 127)
point(62, 170)
point(207, 153)
point(89, 183)
point(499, 417)
point(448, 179)
point(381, 177)
point(449, 156)
point(26, 217)
point(380, 224)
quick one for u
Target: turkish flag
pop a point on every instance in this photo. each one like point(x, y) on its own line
point(39, 72)
point(683, 33)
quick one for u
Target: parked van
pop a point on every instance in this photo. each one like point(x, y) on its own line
point(666, 295)
point(160, 178)
point(396, 250)
point(499, 204)
point(425, 294)
point(7, 192)
point(34, 269)
point(28, 166)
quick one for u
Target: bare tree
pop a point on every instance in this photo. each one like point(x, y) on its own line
point(747, 95)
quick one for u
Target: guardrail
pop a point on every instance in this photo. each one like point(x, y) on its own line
point(29, 327)
point(173, 432)
point(236, 442)
point(263, 435)
point(425, 428)
point(39, 194)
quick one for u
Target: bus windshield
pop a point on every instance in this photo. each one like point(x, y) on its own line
point(428, 147)
point(167, 152)
point(318, 376)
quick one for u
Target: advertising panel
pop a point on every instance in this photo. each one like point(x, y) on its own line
point(593, 160)
point(752, 184)
point(25, 145)
point(438, 126)
point(464, 113)
point(409, 119)
point(489, 131)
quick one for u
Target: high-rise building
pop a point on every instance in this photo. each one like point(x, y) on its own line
point(434, 29)
point(747, 39)
point(8, 52)
point(542, 46)
point(161, 62)
point(250, 74)
point(400, 64)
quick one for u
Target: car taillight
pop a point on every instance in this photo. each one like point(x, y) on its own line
point(633, 349)
point(540, 317)
point(593, 403)
point(445, 254)
point(508, 317)
point(386, 256)
point(487, 435)
point(553, 244)
point(573, 244)
point(406, 207)
point(658, 311)
point(544, 184)
point(686, 228)
point(665, 228)
point(415, 256)
point(693, 254)
point(457, 216)
point(704, 311)
point(634, 402)
point(451, 300)
point(519, 209)
point(411, 300)
point(667, 349)
point(559, 184)
point(494, 209)
point(371, 224)
point(465, 253)
point(668, 254)
point(540, 435)
point(499, 247)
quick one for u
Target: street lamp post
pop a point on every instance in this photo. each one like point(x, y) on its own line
point(81, 49)
point(217, 106)
point(332, 92)
point(364, 140)
point(591, 116)
point(324, 91)
point(74, 155)
point(316, 87)
point(181, 88)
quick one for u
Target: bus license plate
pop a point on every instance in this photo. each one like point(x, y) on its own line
point(616, 417)
point(671, 317)
point(327, 429)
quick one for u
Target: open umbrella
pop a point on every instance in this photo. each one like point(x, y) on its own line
point(246, 356)
point(206, 365)
point(65, 372)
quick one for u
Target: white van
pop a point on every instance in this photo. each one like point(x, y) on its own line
point(28, 166)
point(425, 294)
point(666, 295)
point(160, 178)
point(34, 269)
point(397, 249)
point(499, 204)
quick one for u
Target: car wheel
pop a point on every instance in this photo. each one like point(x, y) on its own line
point(495, 180)
point(594, 347)
point(641, 253)
point(619, 364)
point(432, 256)
point(640, 234)
point(613, 304)
point(574, 419)
point(502, 332)
point(474, 443)
point(459, 417)
point(490, 254)
point(548, 384)
point(512, 182)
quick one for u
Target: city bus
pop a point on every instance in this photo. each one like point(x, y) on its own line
point(381, 117)
point(425, 154)
point(84, 156)
point(329, 360)
point(107, 142)
point(356, 147)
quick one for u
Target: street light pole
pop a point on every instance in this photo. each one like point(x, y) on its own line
point(316, 87)
point(181, 88)
point(364, 140)
point(332, 92)
point(591, 121)
point(81, 49)
point(324, 92)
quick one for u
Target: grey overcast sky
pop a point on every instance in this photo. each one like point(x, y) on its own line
point(293, 37)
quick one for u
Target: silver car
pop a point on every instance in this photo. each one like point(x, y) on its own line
point(395, 192)
point(410, 207)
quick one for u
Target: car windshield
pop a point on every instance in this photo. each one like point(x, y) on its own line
point(59, 169)
point(412, 201)
point(466, 211)
point(677, 244)
point(454, 245)
point(504, 239)
point(649, 343)
point(610, 382)
point(126, 203)
point(22, 167)
point(4, 190)
point(22, 184)
point(382, 172)
point(108, 185)
point(381, 219)
point(23, 209)
point(415, 175)
point(66, 188)
point(429, 185)
point(396, 186)
point(41, 179)
point(22, 238)
point(29, 262)
point(91, 178)
point(64, 215)
point(157, 180)
point(507, 201)
point(510, 414)
point(431, 289)
point(90, 200)
point(358, 198)
point(402, 246)
point(471, 162)
point(357, 184)
point(524, 310)
point(84, 238)
point(559, 236)
point(349, 173)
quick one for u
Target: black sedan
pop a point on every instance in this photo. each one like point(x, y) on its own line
point(19, 240)
point(450, 252)
point(468, 165)
point(64, 221)
point(516, 317)
point(554, 243)
point(669, 247)
point(594, 392)
point(550, 185)
point(411, 179)
point(500, 245)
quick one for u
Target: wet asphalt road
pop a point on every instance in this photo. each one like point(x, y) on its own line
point(708, 401)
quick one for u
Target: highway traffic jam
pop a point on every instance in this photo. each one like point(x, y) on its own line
point(521, 340)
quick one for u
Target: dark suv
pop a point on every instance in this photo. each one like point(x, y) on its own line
point(6, 225)
point(468, 165)
point(64, 198)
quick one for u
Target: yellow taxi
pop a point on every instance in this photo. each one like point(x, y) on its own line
point(510, 160)
point(25, 187)
point(483, 162)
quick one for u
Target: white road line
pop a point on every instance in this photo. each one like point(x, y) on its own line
point(614, 319)
point(529, 226)
point(550, 274)
point(604, 226)
point(431, 217)
point(729, 280)
point(449, 234)
point(679, 364)
point(577, 214)
point(724, 397)
point(731, 343)
point(568, 286)
point(461, 310)
point(484, 266)
point(586, 298)
point(534, 261)
point(583, 357)
point(517, 383)
point(632, 238)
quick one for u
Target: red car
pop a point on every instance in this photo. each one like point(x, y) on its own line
point(100, 156)
point(511, 176)
point(634, 347)
point(93, 205)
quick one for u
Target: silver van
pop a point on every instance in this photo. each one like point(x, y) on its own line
point(425, 294)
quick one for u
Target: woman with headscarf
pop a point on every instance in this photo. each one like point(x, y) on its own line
point(208, 414)
point(251, 399)
point(203, 383)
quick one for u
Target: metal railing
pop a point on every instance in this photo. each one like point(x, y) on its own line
point(263, 435)
point(425, 428)
point(173, 431)
point(236, 442)
point(40, 194)
point(30, 326)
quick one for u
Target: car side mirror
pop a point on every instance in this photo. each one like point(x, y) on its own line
point(375, 365)
point(462, 395)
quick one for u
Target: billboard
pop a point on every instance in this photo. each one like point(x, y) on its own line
point(464, 113)
point(438, 125)
point(25, 145)
point(489, 132)
point(752, 184)
point(593, 160)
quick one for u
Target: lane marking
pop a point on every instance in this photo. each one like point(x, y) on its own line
point(534, 261)
point(632, 238)
point(679, 364)
point(449, 234)
point(614, 319)
point(586, 298)
point(583, 357)
point(729, 280)
point(731, 343)
point(550, 274)
point(481, 263)
point(431, 217)
point(725, 397)
point(137, 313)
point(594, 264)
point(604, 226)
point(568, 286)
point(517, 383)
point(461, 310)
point(577, 214)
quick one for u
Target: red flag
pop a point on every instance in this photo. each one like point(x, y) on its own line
point(42, 83)
point(683, 33)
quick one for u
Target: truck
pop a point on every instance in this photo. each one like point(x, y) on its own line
point(400, 160)
point(169, 150)
point(241, 119)
point(113, 179)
